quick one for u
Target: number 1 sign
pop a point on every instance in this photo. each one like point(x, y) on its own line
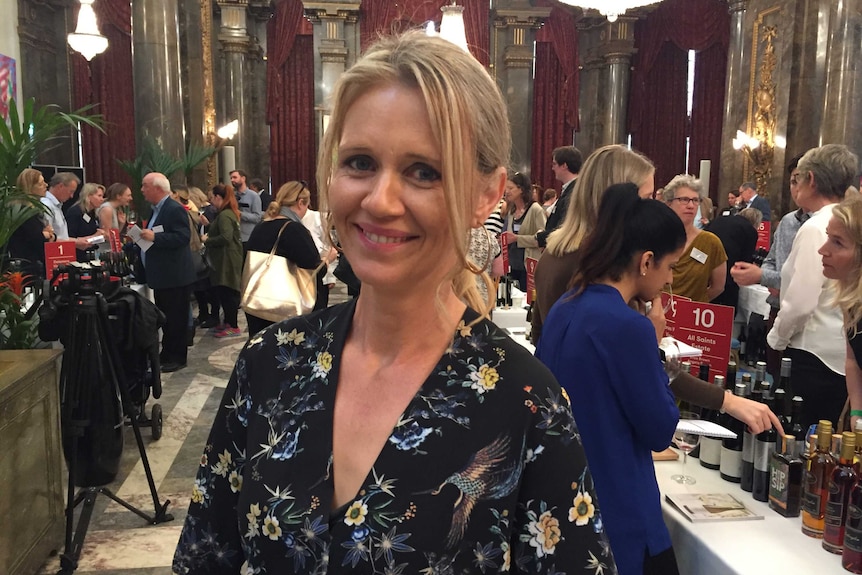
point(58, 253)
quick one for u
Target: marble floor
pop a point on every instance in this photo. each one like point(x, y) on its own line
point(119, 542)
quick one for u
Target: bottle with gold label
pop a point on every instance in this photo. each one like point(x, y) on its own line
point(840, 485)
point(815, 487)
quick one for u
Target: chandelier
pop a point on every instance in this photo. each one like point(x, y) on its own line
point(611, 9)
point(86, 39)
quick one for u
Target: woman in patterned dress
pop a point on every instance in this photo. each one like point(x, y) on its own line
point(400, 432)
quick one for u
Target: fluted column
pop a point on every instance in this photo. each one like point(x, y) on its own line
point(236, 45)
point(514, 33)
point(616, 52)
point(842, 104)
point(734, 107)
point(336, 48)
point(158, 90)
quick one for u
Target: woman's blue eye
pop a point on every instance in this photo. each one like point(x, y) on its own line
point(426, 173)
point(361, 163)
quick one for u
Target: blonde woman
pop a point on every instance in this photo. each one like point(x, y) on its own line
point(112, 213)
point(399, 432)
point(296, 244)
point(27, 242)
point(81, 218)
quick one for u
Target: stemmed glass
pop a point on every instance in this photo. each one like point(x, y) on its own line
point(685, 442)
point(132, 218)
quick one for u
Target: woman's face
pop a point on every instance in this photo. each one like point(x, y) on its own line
point(96, 199)
point(839, 252)
point(512, 192)
point(217, 201)
point(125, 198)
point(647, 188)
point(685, 203)
point(300, 208)
point(657, 275)
point(386, 192)
point(40, 188)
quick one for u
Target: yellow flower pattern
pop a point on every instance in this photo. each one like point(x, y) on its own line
point(582, 509)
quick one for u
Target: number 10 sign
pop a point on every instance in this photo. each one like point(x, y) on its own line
point(705, 326)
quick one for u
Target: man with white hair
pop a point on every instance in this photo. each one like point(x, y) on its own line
point(169, 269)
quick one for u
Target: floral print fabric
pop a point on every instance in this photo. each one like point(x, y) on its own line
point(483, 473)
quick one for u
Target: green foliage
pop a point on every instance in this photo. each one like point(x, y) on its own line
point(18, 327)
point(26, 136)
point(153, 158)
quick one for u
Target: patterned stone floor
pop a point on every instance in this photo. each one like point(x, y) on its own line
point(119, 542)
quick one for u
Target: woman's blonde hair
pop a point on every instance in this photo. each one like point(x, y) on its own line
point(27, 180)
point(849, 290)
point(608, 165)
point(468, 120)
point(84, 197)
point(198, 197)
point(288, 195)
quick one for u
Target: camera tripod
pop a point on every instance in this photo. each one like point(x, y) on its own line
point(94, 398)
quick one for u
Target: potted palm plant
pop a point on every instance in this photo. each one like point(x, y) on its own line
point(27, 134)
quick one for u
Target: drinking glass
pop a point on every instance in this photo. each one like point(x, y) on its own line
point(132, 218)
point(685, 442)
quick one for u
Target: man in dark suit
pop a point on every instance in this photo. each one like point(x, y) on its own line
point(168, 263)
point(750, 199)
point(566, 165)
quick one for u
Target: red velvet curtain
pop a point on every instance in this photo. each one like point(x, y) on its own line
point(654, 105)
point(381, 17)
point(107, 81)
point(290, 96)
point(707, 113)
point(555, 93)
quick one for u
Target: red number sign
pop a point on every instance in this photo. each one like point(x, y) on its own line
point(58, 253)
point(763, 236)
point(530, 264)
point(705, 326)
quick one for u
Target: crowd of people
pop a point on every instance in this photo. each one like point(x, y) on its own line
point(403, 431)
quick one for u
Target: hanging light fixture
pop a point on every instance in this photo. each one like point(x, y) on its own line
point(611, 9)
point(87, 40)
point(452, 25)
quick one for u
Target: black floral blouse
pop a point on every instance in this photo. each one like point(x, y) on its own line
point(483, 473)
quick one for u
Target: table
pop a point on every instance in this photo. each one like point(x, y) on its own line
point(772, 545)
point(514, 317)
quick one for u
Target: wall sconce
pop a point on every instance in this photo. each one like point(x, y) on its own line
point(86, 39)
point(759, 152)
point(228, 131)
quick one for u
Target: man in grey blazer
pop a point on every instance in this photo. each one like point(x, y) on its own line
point(169, 268)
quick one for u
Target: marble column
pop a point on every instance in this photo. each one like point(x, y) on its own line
point(842, 104)
point(156, 61)
point(734, 107)
point(616, 52)
point(514, 34)
point(236, 45)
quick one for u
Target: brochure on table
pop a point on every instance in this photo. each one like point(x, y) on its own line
point(697, 507)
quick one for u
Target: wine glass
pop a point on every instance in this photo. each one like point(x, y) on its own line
point(685, 442)
point(132, 218)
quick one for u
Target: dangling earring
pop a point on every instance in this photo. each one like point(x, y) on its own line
point(469, 264)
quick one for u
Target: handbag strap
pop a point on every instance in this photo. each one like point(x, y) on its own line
point(278, 238)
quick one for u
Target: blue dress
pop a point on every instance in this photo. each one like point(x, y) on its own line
point(483, 472)
point(605, 355)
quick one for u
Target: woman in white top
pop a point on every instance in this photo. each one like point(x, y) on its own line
point(111, 213)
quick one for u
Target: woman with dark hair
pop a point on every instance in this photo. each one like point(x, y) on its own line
point(224, 250)
point(624, 409)
point(525, 218)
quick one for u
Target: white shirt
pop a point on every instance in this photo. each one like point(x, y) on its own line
point(312, 221)
point(807, 319)
point(55, 216)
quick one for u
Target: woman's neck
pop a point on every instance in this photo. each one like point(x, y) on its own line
point(626, 285)
point(691, 232)
point(382, 317)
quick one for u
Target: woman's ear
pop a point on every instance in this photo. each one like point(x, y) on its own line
point(647, 260)
point(489, 197)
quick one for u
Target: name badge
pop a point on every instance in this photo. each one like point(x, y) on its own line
point(698, 255)
point(160, 229)
point(87, 218)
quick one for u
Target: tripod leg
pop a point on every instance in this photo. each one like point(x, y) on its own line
point(69, 559)
point(160, 510)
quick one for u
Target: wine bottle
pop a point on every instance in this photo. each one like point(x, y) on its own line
point(786, 470)
point(840, 485)
point(730, 378)
point(815, 487)
point(742, 345)
point(731, 449)
point(779, 406)
point(760, 371)
point(710, 447)
point(747, 482)
point(764, 447)
point(851, 558)
point(784, 378)
point(796, 428)
point(749, 386)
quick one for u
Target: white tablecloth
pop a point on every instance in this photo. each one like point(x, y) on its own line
point(774, 545)
point(514, 317)
point(753, 299)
